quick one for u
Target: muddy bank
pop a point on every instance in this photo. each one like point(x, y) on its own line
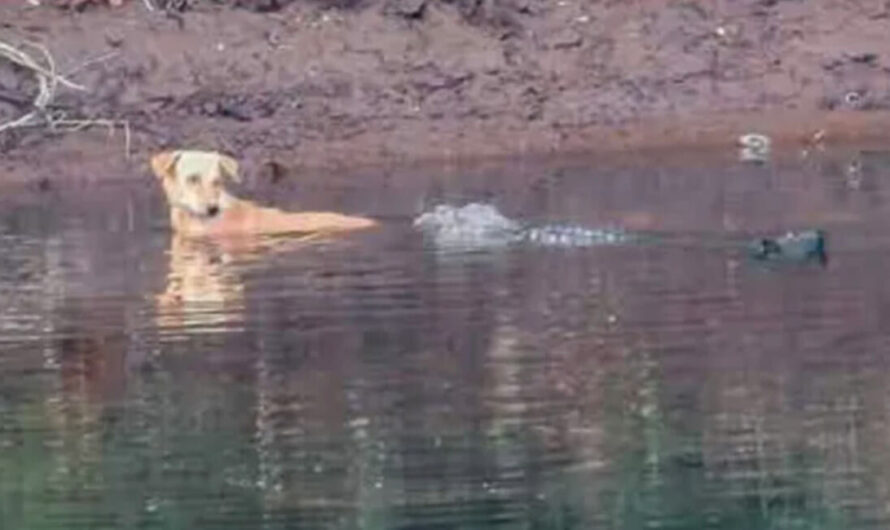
point(357, 82)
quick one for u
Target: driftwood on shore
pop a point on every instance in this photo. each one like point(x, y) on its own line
point(39, 112)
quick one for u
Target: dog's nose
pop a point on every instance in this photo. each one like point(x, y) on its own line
point(212, 210)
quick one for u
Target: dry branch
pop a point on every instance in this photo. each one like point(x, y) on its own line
point(48, 82)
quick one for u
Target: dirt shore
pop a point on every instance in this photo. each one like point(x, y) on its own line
point(337, 85)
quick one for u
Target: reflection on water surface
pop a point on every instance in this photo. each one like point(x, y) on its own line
point(377, 383)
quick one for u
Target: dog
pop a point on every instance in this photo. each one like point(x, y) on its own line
point(200, 205)
point(214, 233)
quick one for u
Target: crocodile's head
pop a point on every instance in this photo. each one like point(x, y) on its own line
point(807, 245)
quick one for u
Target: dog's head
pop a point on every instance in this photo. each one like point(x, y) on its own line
point(194, 180)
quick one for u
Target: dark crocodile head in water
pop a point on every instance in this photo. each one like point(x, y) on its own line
point(793, 247)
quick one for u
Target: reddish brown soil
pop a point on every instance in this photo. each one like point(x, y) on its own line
point(357, 82)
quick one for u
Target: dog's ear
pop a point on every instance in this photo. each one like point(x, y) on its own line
point(163, 164)
point(230, 167)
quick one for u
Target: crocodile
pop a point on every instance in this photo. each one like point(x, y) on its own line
point(482, 225)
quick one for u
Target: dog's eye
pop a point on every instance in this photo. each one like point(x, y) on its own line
point(193, 179)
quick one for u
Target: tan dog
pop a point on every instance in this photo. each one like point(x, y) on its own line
point(204, 289)
point(200, 205)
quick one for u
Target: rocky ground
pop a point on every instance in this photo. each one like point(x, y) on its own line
point(348, 83)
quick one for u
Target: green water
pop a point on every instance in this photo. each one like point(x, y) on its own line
point(377, 383)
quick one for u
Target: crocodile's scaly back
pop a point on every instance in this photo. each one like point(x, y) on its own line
point(479, 225)
point(573, 236)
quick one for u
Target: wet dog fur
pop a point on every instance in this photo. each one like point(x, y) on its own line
point(194, 183)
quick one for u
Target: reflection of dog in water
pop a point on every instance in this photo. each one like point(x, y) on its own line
point(214, 231)
point(203, 289)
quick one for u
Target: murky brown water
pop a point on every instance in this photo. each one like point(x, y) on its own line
point(376, 383)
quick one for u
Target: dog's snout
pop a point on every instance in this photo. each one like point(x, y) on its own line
point(212, 210)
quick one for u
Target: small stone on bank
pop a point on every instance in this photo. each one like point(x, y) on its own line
point(755, 147)
point(411, 9)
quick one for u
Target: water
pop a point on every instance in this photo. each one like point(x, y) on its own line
point(378, 382)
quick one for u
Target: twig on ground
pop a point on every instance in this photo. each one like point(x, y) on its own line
point(64, 124)
point(90, 62)
point(47, 83)
point(47, 80)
